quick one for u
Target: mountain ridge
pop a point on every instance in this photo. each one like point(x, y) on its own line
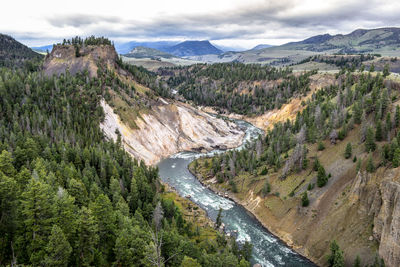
point(14, 53)
point(193, 48)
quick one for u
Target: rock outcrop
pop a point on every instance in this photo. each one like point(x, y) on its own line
point(169, 128)
point(63, 58)
point(387, 220)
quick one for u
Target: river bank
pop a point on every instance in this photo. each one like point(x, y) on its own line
point(268, 249)
point(229, 195)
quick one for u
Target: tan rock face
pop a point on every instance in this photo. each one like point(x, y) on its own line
point(170, 128)
point(379, 196)
point(63, 58)
point(387, 223)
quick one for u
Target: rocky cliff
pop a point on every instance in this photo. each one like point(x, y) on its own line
point(171, 127)
point(64, 58)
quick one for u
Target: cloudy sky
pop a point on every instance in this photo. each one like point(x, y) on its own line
point(236, 23)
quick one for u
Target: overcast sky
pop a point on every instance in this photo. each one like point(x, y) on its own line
point(239, 23)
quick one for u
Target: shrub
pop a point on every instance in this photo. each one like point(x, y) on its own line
point(322, 179)
point(304, 199)
point(348, 151)
point(321, 146)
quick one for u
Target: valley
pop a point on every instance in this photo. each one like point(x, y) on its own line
point(181, 154)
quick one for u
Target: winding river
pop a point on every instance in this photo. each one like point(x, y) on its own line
point(268, 250)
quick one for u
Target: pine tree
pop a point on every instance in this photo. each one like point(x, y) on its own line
point(397, 116)
point(322, 179)
point(336, 257)
point(370, 165)
point(58, 249)
point(218, 221)
point(348, 152)
point(316, 164)
point(304, 199)
point(386, 70)
point(65, 212)
point(129, 246)
point(357, 262)
point(388, 123)
point(87, 238)
point(105, 219)
point(321, 146)
point(38, 218)
point(378, 131)
point(370, 141)
point(372, 68)
point(396, 158)
point(133, 195)
point(8, 205)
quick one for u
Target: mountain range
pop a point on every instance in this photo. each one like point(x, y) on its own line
point(384, 41)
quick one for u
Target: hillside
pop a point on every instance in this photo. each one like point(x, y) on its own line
point(15, 54)
point(327, 169)
point(124, 48)
point(146, 52)
point(193, 48)
point(382, 41)
point(261, 46)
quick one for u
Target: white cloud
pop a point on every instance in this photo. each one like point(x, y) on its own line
point(242, 23)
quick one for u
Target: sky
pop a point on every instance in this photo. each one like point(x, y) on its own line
point(233, 23)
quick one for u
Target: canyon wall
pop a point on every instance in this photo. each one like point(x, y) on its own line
point(169, 128)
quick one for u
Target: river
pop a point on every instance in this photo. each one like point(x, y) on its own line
point(268, 250)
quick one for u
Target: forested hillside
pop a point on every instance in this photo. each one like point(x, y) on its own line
point(347, 131)
point(15, 54)
point(69, 197)
point(236, 87)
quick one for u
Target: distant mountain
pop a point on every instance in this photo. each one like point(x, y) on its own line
point(382, 40)
point(193, 48)
point(13, 53)
point(124, 48)
point(43, 48)
point(146, 52)
point(261, 46)
point(226, 48)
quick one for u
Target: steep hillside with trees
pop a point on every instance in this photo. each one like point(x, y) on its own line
point(329, 174)
point(14, 54)
point(236, 87)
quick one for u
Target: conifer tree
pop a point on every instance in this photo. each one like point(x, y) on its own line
point(322, 179)
point(304, 199)
point(370, 165)
point(218, 221)
point(396, 158)
point(357, 262)
point(386, 70)
point(348, 151)
point(336, 257)
point(38, 218)
point(87, 238)
point(397, 116)
point(378, 131)
point(370, 141)
point(58, 249)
